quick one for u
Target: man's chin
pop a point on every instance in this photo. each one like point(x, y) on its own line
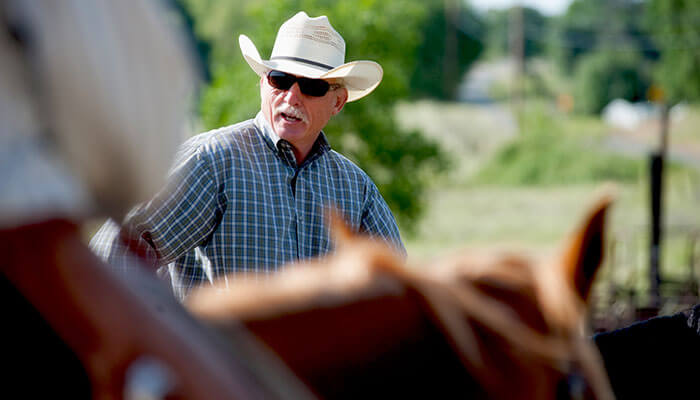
point(289, 131)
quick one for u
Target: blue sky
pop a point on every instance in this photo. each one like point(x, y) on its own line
point(547, 7)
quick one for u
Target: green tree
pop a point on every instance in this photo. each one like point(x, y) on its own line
point(594, 25)
point(605, 45)
point(401, 163)
point(607, 75)
point(499, 23)
point(676, 30)
point(451, 40)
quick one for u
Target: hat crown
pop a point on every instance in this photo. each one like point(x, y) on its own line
point(310, 40)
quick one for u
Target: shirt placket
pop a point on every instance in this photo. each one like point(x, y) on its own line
point(286, 153)
point(308, 218)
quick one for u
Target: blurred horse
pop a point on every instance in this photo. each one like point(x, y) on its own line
point(360, 323)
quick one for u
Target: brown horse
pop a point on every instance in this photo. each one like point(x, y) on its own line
point(360, 323)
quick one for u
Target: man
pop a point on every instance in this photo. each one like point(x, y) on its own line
point(251, 197)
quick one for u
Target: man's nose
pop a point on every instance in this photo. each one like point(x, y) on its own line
point(293, 94)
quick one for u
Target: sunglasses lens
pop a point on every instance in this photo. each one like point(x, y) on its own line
point(311, 87)
point(281, 80)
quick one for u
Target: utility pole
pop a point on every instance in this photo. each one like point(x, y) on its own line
point(449, 65)
point(516, 36)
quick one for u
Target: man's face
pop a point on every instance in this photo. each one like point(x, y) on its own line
point(298, 117)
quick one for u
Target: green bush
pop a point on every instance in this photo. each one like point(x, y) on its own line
point(546, 154)
point(604, 76)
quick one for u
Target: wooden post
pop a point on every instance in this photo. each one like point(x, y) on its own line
point(656, 195)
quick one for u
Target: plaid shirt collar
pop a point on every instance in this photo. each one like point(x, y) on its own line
point(283, 149)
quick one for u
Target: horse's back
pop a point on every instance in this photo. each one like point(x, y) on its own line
point(654, 358)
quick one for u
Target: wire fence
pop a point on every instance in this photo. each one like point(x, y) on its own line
point(623, 295)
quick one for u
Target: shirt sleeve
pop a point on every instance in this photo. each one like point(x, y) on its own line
point(181, 217)
point(378, 221)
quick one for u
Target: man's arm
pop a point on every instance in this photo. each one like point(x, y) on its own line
point(181, 217)
point(377, 220)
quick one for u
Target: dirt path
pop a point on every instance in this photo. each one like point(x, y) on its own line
point(683, 144)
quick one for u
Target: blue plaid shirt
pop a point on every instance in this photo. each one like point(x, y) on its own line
point(237, 204)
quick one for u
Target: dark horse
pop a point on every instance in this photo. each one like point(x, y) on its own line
point(359, 323)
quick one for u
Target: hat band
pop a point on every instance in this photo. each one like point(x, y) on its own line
point(302, 60)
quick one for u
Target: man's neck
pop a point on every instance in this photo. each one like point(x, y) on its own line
point(302, 154)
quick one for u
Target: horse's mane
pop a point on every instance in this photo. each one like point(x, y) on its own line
point(459, 291)
point(558, 341)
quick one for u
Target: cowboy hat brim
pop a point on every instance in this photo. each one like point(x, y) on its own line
point(360, 78)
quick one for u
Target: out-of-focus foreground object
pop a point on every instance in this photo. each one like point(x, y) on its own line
point(93, 96)
point(474, 325)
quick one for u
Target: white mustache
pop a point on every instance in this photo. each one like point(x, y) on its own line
point(293, 112)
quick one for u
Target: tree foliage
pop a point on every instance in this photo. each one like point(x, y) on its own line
point(676, 30)
point(451, 40)
point(590, 26)
point(606, 47)
point(401, 163)
point(499, 23)
point(604, 76)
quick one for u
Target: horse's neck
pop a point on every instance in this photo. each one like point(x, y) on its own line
point(386, 345)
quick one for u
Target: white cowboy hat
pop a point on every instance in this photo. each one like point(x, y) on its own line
point(311, 48)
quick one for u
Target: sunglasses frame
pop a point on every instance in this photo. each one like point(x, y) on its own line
point(307, 86)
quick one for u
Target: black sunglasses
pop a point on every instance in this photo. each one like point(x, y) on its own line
point(311, 87)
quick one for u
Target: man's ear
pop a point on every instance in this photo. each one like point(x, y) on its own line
point(340, 100)
point(584, 252)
